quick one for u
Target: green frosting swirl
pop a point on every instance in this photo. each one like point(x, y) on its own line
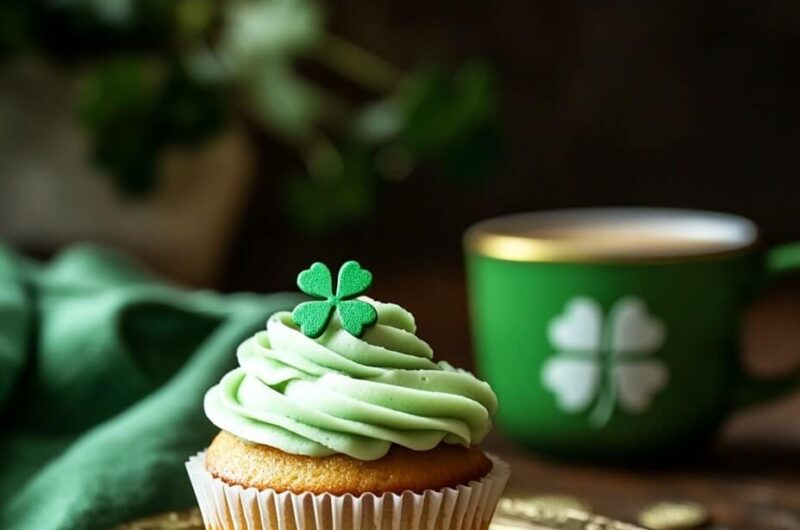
point(342, 394)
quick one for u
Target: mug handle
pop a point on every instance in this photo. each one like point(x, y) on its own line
point(754, 390)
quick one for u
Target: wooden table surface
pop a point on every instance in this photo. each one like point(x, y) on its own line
point(749, 480)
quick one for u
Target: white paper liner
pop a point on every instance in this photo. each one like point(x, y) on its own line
point(465, 507)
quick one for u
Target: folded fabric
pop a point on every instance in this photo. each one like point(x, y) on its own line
point(102, 373)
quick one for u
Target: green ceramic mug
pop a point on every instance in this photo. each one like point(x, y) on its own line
point(613, 332)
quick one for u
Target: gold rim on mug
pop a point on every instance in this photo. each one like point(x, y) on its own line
point(612, 235)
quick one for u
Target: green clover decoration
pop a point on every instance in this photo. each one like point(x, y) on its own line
point(355, 315)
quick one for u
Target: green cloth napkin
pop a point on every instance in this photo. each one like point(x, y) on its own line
point(102, 374)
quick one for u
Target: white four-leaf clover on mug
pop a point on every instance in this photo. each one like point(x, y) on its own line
point(604, 361)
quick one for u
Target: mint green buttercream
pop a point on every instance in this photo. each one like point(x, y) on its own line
point(342, 394)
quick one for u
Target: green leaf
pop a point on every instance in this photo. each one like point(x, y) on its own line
point(438, 116)
point(313, 317)
point(113, 12)
point(438, 108)
point(316, 281)
point(117, 91)
point(353, 280)
point(262, 31)
point(283, 101)
point(135, 110)
point(355, 315)
point(118, 106)
point(260, 42)
point(379, 122)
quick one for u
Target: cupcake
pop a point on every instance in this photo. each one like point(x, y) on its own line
point(337, 417)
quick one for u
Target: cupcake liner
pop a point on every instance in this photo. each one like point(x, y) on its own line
point(233, 507)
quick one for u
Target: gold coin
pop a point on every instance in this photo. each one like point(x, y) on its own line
point(558, 502)
point(538, 505)
point(681, 515)
point(188, 520)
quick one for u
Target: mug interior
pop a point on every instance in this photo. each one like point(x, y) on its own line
point(611, 234)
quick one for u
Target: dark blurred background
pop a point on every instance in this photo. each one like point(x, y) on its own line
point(690, 104)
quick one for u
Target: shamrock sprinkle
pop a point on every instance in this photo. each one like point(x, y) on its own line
point(316, 281)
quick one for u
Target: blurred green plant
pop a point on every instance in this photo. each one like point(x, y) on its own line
point(157, 74)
